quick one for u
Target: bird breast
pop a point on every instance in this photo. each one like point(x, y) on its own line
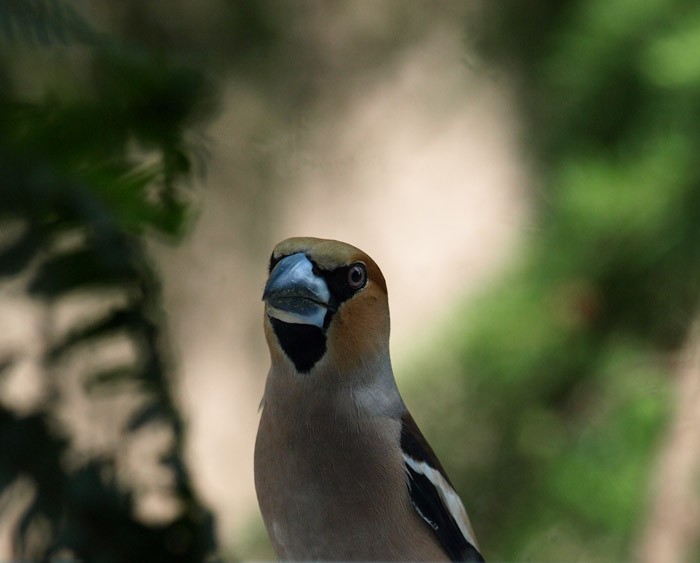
point(327, 483)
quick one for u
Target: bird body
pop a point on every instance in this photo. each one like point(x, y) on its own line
point(326, 507)
point(341, 470)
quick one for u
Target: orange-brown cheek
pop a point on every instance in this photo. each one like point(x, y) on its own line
point(359, 331)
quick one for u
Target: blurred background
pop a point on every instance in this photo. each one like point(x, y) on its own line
point(522, 172)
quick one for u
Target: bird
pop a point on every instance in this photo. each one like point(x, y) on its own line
point(342, 471)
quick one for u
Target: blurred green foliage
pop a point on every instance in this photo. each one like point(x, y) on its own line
point(86, 172)
point(567, 365)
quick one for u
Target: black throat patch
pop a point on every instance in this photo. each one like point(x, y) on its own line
point(303, 344)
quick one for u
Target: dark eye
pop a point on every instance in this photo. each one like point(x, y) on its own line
point(357, 276)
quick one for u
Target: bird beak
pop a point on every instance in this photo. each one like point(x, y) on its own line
point(294, 294)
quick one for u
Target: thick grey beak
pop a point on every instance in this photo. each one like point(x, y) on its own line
point(294, 294)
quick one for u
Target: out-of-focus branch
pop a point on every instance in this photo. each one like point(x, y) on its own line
point(672, 529)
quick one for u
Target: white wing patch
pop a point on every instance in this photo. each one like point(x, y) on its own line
point(448, 496)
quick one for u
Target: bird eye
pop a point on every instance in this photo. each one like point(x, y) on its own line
point(357, 276)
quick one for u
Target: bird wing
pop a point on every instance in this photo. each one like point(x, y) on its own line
point(433, 496)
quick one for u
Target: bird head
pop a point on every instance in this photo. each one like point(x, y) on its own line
point(325, 305)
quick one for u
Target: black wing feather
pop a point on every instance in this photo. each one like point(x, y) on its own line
point(426, 499)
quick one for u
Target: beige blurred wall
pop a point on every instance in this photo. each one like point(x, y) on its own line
point(411, 157)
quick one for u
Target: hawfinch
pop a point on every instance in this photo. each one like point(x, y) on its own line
point(341, 470)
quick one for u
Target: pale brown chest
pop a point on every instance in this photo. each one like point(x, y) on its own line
point(333, 487)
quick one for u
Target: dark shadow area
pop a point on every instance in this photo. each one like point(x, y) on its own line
point(87, 170)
